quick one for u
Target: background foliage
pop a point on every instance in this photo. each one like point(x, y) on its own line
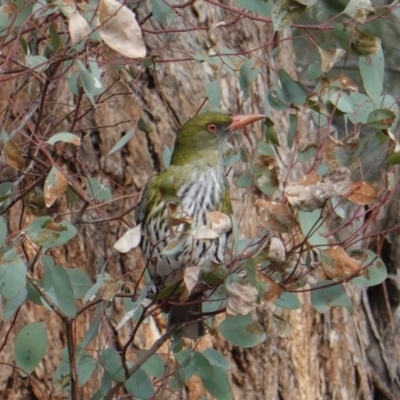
point(321, 182)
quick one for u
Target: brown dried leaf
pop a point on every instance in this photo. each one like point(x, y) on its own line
point(274, 289)
point(361, 193)
point(13, 156)
point(300, 195)
point(203, 232)
point(218, 222)
point(282, 325)
point(276, 250)
point(190, 280)
point(78, 27)
point(241, 297)
point(54, 186)
point(337, 264)
point(347, 83)
point(330, 57)
point(177, 216)
point(274, 216)
point(120, 30)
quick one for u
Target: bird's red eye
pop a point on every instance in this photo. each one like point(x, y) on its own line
point(212, 128)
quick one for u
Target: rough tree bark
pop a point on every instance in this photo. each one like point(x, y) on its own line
point(327, 356)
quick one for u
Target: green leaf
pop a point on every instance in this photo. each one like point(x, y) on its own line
point(307, 154)
point(62, 377)
point(139, 385)
point(86, 367)
point(352, 37)
point(217, 359)
point(213, 93)
point(33, 294)
point(92, 332)
point(122, 142)
point(30, 346)
point(362, 106)
point(372, 69)
point(3, 231)
point(218, 385)
point(12, 305)
point(260, 7)
point(112, 363)
point(376, 271)
point(65, 137)
point(5, 191)
point(276, 99)
point(166, 156)
point(270, 132)
point(162, 12)
point(293, 92)
point(91, 85)
point(203, 366)
point(314, 71)
point(241, 330)
point(381, 119)
point(327, 297)
point(99, 191)
point(230, 158)
point(57, 285)
point(55, 40)
point(95, 288)
point(12, 273)
point(154, 366)
point(342, 101)
point(37, 63)
point(80, 282)
point(310, 224)
point(388, 102)
point(244, 180)
point(45, 232)
point(248, 73)
point(288, 301)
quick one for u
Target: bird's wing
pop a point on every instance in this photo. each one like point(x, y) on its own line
point(226, 204)
point(161, 187)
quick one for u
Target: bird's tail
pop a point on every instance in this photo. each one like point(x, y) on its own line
point(188, 315)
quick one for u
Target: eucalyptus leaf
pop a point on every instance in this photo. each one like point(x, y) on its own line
point(122, 142)
point(12, 305)
point(45, 232)
point(327, 294)
point(112, 363)
point(372, 69)
point(30, 346)
point(213, 93)
point(57, 285)
point(241, 330)
point(12, 273)
point(139, 385)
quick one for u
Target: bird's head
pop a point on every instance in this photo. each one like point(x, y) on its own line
point(203, 136)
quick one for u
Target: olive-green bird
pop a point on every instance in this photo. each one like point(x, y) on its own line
point(195, 184)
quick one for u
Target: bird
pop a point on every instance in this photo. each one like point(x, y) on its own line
point(195, 184)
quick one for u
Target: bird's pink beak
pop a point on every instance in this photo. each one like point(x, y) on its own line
point(240, 121)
